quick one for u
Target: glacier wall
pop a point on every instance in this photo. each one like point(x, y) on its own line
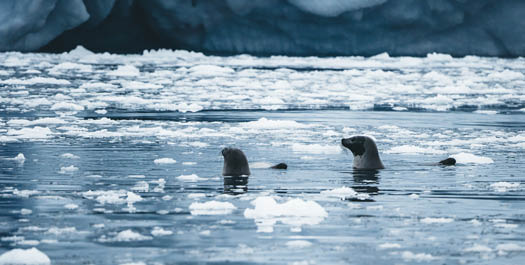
point(267, 27)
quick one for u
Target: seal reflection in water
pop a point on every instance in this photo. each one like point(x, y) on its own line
point(365, 152)
point(235, 171)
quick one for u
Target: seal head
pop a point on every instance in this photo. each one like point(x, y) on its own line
point(365, 152)
point(235, 162)
point(448, 162)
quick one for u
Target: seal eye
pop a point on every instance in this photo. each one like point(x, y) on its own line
point(224, 151)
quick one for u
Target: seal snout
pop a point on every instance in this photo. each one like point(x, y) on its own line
point(356, 144)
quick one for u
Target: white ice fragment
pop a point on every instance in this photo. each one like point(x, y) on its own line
point(298, 244)
point(68, 170)
point(24, 211)
point(189, 163)
point(190, 178)
point(510, 247)
point(69, 156)
point(20, 158)
point(345, 193)
point(71, 206)
point(125, 236)
point(413, 196)
point(36, 132)
point(260, 165)
point(439, 220)
point(264, 123)
point(165, 160)
point(295, 212)
point(211, 208)
point(67, 106)
point(316, 149)
point(141, 186)
point(159, 231)
point(503, 186)
point(389, 245)
point(409, 256)
point(412, 149)
point(468, 158)
point(18, 256)
point(125, 71)
point(477, 248)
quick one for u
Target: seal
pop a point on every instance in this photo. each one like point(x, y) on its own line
point(280, 166)
point(235, 163)
point(365, 152)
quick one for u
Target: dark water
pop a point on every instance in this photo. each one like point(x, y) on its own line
point(91, 188)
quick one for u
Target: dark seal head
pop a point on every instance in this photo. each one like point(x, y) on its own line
point(280, 166)
point(235, 162)
point(448, 162)
point(365, 152)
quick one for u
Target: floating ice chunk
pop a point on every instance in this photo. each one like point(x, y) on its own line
point(36, 132)
point(264, 123)
point(487, 112)
point(67, 106)
point(316, 149)
point(61, 230)
point(35, 81)
point(260, 165)
point(510, 247)
point(161, 183)
point(190, 178)
point(504, 186)
point(69, 156)
point(409, 256)
point(80, 51)
point(412, 149)
point(106, 196)
point(125, 71)
point(125, 236)
point(141, 186)
point(24, 193)
point(345, 193)
point(413, 196)
point(20, 158)
point(71, 206)
point(101, 111)
point(165, 160)
point(159, 231)
point(196, 195)
point(295, 212)
point(478, 248)
point(68, 66)
point(298, 244)
point(205, 233)
point(440, 220)
point(189, 163)
point(333, 8)
point(210, 70)
point(40, 121)
point(68, 170)
point(211, 208)
point(389, 245)
point(505, 75)
point(468, 158)
point(198, 144)
point(18, 256)
point(136, 176)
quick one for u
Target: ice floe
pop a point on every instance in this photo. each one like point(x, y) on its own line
point(468, 158)
point(211, 208)
point(165, 160)
point(294, 212)
point(345, 193)
point(18, 256)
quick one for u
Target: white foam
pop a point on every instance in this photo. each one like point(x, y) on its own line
point(211, 208)
point(468, 158)
point(165, 160)
point(295, 212)
point(19, 256)
point(316, 148)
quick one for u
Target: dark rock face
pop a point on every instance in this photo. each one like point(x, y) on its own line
point(267, 27)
